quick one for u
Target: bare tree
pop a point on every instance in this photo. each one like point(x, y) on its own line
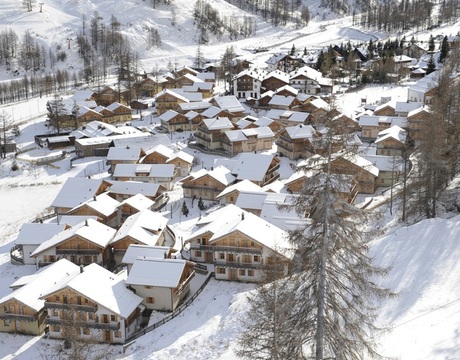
point(6, 124)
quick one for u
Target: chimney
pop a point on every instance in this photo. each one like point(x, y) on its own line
point(242, 216)
point(86, 222)
point(81, 268)
point(94, 197)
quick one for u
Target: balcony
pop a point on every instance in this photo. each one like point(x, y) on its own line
point(86, 308)
point(78, 252)
point(62, 322)
point(10, 316)
point(237, 265)
point(232, 249)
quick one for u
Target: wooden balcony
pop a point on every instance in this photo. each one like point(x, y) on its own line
point(230, 249)
point(77, 307)
point(237, 265)
point(10, 316)
point(78, 252)
point(81, 323)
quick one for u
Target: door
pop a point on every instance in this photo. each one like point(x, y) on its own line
point(233, 274)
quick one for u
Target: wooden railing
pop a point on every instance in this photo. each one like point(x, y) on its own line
point(174, 314)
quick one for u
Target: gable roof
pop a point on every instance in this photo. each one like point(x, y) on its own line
point(75, 191)
point(91, 230)
point(144, 226)
point(247, 165)
point(144, 251)
point(229, 103)
point(156, 272)
point(103, 287)
point(30, 293)
point(36, 233)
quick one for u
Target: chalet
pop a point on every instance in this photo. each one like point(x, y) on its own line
point(133, 205)
point(196, 106)
point(391, 142)
point(306, 80)
point(209, 132)
point(289, 117)
point(173, 121)
point(248, 84)
point(261, 169)
point(74, 192)
point(363, 170)
point(274, 80)
point(247, 140)
point(128, 155)
point(171, 100)
point(122, 190)
point(231, 104)
point(391, 168)
point(283, 102)
point(162, 174)
point(216, 112)
point(164, 155)
point(97, 303)
point(423, 90)
point(22, 310)
point(238, 243)
point(102, 206)
point(31, 236)
point(230, 194)
point(146, 252)
point(121, 113)
point(141, 228)
point(84, 243)
point(162, 283)
point(206, 184)
point(149, 86)
point(372, 125)
point(416, 118)
point(109, 95)
point(265, 98)
point(287, 90)
point(296, 142)
point(283, 62)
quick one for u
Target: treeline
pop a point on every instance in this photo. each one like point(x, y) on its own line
point(277, 12)
point(416, 14)
point(209, 21)
point(102, 46)
point(37, 85)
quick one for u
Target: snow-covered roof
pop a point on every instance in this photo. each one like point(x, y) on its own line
point(75, 191)
point(406, 107)
point(281, 100)
point(37, 233)
point(231, 219)
point(300, 131)
point(30, 293)
point(124, 153)
point(277, 74)
point(144, 251)
point(357, 160)
point(133, 188)
point(156, 272)
point(168, 115)
point(294, 116)
point(91, 230)
point(138, 202)
point(218, 123)
point(429, 82)
point(306, 71)
point(211, 112)
point(195, 105)
point(103, 204)
point(394, 132)
point(229, 103)
point(115, 105)
point(386, 163)
point(244, 185)
point(248, 166)
point(145, 226)
point(220, 173)
point(153, 170)
point(104, 288)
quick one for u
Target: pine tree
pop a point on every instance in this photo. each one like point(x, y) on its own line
point(292, 53)
point(431, 66)
point(201, 204)
point(185, 209)
point(431, 44)
point(444, 51)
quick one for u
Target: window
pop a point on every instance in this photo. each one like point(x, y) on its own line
point(117, 334)
point(55, 312)
point(242, 272)
point(147, 287)
point(86, 331)
point(55, 328)
point(113, 318)
point(221, 256)
point(91, 315)
point(197, 253)
point(150, 300)
point(231, 257)
point(256, 258)
point(250, 272)
point(7, 322)
point(247, 258)
point(220, 270)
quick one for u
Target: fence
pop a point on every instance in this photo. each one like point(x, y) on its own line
point(174, 313)
point(15, 260)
